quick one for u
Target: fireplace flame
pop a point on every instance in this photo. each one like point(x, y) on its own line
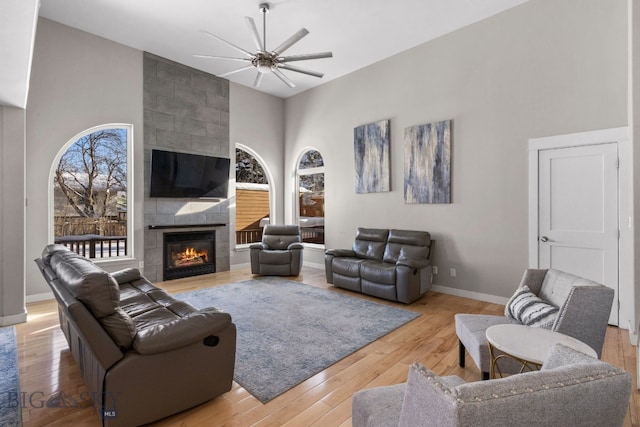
point(190, 256)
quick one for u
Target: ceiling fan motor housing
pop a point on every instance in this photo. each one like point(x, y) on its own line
point(264, 62)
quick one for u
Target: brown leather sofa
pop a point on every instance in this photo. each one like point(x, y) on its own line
point(389, 264)
point(143, 354)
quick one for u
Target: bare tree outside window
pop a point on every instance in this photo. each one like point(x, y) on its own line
point(248, 169)
point(90, 187)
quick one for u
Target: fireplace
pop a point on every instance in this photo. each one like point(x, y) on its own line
point(189, 254)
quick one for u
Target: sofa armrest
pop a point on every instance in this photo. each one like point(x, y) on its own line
point(258, 246)
point(414, 263)
point(181, 332)
point(295, 245)
point(127, 275)
point(341, 253)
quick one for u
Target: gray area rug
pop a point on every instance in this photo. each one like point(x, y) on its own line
point(289, 331)
point(10, 408)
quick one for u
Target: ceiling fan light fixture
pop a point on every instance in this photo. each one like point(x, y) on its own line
point(264, 67)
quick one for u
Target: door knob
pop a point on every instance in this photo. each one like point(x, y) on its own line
point(544, 239)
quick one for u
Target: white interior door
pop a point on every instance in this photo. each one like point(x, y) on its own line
point(578, 213)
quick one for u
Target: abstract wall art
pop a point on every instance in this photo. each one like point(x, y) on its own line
point(427, 163)
point(372, 158)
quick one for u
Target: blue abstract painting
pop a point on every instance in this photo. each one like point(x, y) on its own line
point(372, 159)
point(427, 163)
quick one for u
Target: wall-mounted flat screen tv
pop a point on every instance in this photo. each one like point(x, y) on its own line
point(188, 175)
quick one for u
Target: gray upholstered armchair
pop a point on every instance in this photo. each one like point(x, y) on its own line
point(582, 309)
point(570, 389)
point(280, 253)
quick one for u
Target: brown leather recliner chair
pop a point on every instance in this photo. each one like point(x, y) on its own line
point(280, 253)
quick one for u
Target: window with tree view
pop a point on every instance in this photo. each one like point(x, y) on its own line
point(310, 177)
point(252, 198)
point(90, 194)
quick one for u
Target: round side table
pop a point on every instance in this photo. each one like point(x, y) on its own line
point(527, 345)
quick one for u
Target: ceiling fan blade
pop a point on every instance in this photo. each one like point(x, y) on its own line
point(235, 71)
point(291, 41)
point(300, 70)
point(222, 57)
point(238, 48)
point(254, 32)
point(282, 77)
point(258, 79)
point(305, 56)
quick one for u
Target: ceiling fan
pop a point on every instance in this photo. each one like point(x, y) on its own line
point(265, 61)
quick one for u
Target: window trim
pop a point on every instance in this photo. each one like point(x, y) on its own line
point(130, 186)
point(272, 192)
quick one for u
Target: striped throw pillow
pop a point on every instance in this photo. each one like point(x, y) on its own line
point(528, 309)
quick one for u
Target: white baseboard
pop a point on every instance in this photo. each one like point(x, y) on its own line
point(13, 319)
point(469, 294)
point(633, 336)
point(39, 297)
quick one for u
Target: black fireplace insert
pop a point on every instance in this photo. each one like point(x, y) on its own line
point(190, 253)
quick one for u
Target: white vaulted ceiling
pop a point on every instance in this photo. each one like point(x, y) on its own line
point(358, 32)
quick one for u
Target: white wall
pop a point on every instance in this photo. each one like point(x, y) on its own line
point(256, 120)
point(543, 68)
point(12, 183)
point(78, 81)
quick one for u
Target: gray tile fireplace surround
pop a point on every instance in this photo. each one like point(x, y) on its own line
point(185, 110)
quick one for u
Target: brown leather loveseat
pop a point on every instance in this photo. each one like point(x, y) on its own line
point(143, 354)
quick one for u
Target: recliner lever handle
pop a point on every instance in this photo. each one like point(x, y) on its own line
point(211, 341)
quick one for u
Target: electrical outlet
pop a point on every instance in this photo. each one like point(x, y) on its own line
point(435, 269)
point(452, 272)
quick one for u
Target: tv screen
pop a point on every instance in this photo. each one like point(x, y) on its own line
point(188, 175)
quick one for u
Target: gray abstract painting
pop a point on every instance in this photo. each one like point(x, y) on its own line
point(427, 163)
point(371, 149)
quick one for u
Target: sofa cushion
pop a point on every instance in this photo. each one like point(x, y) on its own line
point(281, 236)
point(349, 267)
point(378, 272)
point(561, 355)
point(120, 328)
point(370, 243)
point(557, 286)
point(471, 330)
point(87, 282)
point(527, 308)
point(274, 257)
point(406, 244)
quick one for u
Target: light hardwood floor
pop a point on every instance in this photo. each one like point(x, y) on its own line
point(47, 367)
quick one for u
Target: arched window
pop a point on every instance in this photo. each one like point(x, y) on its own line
point(253, 197)
point(310, 185)
point(91, 193)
